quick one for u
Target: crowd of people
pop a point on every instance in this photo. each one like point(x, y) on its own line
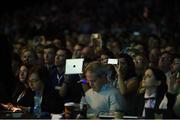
point(144, 41)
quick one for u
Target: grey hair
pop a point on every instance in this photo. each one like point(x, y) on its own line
point(97, 68)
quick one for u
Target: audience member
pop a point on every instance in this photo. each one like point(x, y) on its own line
point(108, 99)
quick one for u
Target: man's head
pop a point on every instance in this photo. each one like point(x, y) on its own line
point(77, 50)
point(28, 57)
point(88, 52)
point(37, 77)
point(154, 56)
point(61, 56)
point(49, 54)
point(96, 75)
point(165, 61)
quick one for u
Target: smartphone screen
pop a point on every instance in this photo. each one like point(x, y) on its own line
point(112, 61)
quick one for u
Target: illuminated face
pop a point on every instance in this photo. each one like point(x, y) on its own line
point(176, 65)
point(164, 60)
point(77, 51)
point(149, 80)
point(23, 73)
point(60, 57)
point(28, 58)
point(104, 59)
point(34, 82)
point(139, 62)
point(49, 56)
point(94, 82)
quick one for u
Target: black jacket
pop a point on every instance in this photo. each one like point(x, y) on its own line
point(167, 113)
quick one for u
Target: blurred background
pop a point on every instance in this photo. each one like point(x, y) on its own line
point(26, 19)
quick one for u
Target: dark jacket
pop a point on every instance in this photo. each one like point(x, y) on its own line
point(27, 99)
point(167, 113)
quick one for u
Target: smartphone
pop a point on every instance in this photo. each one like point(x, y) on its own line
point(96, 40)
point(96, 36)
point(112, 61)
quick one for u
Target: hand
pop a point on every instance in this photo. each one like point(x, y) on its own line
point(117, 67)
point(7, 106)
point(11, 107)
point(119, 70)
point(15, 109)
point(141, 88)
point(173, 85)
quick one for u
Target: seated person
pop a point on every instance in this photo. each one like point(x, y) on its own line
point(43, 99)
point(127, 82)
point(44, 102)
point(102, 97)
point(154, 90)
point(22, 95)
point(64, 87)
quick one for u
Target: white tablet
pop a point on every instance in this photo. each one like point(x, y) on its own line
point(74, 66)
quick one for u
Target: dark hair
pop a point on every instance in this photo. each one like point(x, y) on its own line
point(106, 52)
point(171, 55)
point(17, 58)
point(130, 66)
point(42, 73)
point(160, 76)
point(51, 47)
point(22, 64)
point(67, 52)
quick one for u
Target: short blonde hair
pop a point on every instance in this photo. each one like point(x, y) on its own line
point(97, 68)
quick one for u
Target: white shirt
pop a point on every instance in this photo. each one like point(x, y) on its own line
point(106, 100)
point(149, 103)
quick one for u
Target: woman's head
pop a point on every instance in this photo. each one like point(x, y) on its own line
point(38, 76)
point(104, 55)
point(127, 65)
point(23, 73)
point(155, 78)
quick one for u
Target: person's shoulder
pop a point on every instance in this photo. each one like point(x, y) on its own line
point(89, 92)
point(113, 90)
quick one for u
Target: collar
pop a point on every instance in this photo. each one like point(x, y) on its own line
point(105, 87)
point(151, 96)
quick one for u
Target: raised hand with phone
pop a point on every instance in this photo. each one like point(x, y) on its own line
point(96, 41)
point(126, 80)
point(174, 84)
